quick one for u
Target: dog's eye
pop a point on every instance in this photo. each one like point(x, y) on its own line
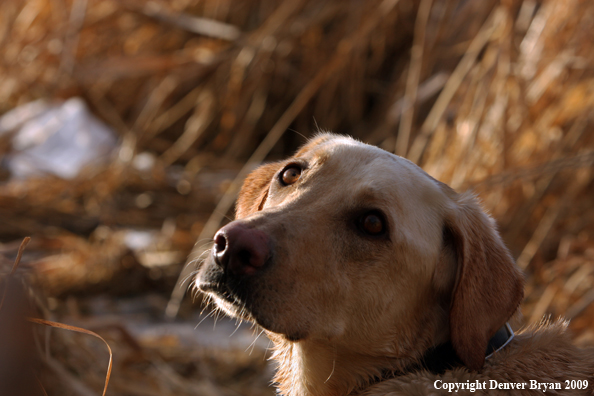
point(290, 175)
point(372, 224)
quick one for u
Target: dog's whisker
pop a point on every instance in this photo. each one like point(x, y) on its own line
point(216, 318)
point(302, 135)
point(253, 344)
point(203, 241)
point(223, 214)
point(203, 319)
point(204, 246)
point(207, 303)
point(188, 277)
point(236, 328)
point(332, 372)
point(197, 260)
point(268, 349)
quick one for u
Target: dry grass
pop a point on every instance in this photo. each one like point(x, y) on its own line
point(494, 95)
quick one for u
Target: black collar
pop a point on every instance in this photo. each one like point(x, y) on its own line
point(502, 337)
point(441, 358)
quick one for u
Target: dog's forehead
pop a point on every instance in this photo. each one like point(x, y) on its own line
point(370, 166)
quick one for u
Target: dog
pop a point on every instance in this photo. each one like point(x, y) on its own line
point(372, 278)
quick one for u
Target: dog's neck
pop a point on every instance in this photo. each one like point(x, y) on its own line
point(320, 367)
point(311, 368)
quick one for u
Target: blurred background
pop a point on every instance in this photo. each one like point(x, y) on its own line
point(127, 126)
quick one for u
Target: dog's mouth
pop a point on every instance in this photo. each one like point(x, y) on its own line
point(226, 299)
point(220, 290)
point(227, 293)
point(239, 298)
point(235, 307)
point(213, 281)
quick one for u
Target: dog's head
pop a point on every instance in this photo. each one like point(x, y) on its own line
point(349, 244)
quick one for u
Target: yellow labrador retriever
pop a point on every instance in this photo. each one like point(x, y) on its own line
point(372, 278)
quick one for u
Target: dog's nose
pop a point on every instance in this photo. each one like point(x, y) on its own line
point(240, 250)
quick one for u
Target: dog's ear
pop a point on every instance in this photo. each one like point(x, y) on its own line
point(254, 190)
point(489, 286)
